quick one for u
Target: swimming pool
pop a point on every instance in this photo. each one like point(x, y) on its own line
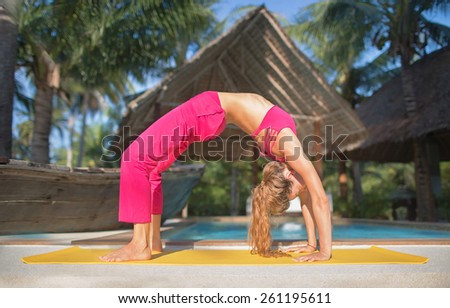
point(296, 231)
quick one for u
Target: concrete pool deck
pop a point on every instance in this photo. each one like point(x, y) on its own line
point(15, 274)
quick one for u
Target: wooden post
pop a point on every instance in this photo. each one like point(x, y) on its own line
point(157, 112)
point(357, 187)
point(318, 161)
point(184, 211)
point(255, 167)
point(233, 205)
point(434, 165)
point(426, 203)
point(343, 180)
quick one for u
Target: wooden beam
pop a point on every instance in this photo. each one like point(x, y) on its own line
point(279, 88)
point(227, 77)
point(255, 167)
point(318, 163)
point(305, 117)
point(273, 82)
point(288, 67)
point(292, 48)
point(231, 63)
point(173, 83)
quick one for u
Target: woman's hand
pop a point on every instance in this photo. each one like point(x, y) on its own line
point(317, 256)
point(298, 249)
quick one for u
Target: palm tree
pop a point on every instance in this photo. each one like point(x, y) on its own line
point(80, 105)
point(24, 118)
point(8, 51)
point(192, 41)
point(337, 52)
point(35, 35)
point(81, 101)
point(24, 113)
point(92, 42)
point(87, 80)
point(401, 29)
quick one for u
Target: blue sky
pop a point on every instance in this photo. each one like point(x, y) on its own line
point(289, 8)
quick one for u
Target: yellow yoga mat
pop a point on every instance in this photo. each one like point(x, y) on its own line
point(372, 255)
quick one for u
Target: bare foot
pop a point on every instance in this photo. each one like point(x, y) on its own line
point(157, 246)
point(130, 252)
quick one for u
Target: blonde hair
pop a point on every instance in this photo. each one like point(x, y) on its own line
point(270, 197)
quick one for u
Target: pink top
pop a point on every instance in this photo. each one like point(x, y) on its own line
point(274, 121)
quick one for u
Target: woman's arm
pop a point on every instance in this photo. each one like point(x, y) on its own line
point(290, 147)
point(310, 225)
point(307, 212)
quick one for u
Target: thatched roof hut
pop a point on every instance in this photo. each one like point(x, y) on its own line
point(255, 55)
point(384, 114)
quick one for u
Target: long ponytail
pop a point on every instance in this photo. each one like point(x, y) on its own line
point(270, 197)
point(259, 231)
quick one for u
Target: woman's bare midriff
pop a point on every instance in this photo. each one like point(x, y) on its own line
point(247, 111)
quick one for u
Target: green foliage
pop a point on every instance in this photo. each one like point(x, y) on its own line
point(94, 147)
point(97, 45)
point(212, 196)
point(379, 181)
point(23, 125)
point(340, 33)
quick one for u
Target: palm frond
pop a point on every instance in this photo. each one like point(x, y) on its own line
point(441, 6)
point(438, 32)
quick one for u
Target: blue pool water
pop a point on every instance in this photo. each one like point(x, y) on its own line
point(296, 231)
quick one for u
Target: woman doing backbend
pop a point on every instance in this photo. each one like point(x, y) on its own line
point(202, 118)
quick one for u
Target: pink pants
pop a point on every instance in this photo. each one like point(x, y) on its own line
point(199, 119)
